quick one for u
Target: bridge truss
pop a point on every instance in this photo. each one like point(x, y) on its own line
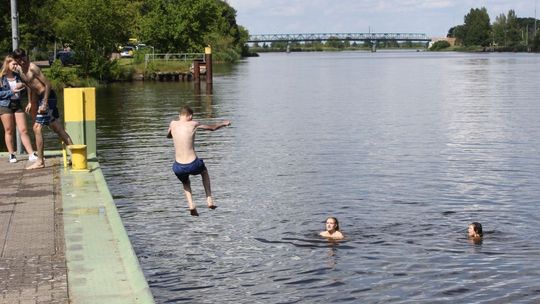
point(338, 36)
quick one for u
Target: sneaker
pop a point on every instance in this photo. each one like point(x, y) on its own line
point(12, 158)
point(32, 157)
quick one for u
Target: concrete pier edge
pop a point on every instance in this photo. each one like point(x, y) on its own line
point(102, 266)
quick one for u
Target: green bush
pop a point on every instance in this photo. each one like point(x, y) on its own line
point(439, 45)
point(60, 76)
point(119, 72)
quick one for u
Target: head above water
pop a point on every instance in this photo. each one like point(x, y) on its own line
point(332, 224)
point(475, 230)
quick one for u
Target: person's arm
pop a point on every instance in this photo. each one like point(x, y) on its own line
point(5, 90)
point(6, 94)
point(225, 123)
point(31, 101)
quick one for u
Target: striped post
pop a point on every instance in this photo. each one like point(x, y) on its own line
point(80, 117)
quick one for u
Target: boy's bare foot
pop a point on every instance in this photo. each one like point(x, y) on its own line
point(36, 165)
point(193, 212)
point(210, 203)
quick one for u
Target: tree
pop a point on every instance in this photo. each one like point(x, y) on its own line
point(458, 32)
point(94, 28)
point(477, 28)
point(35, 28)
point(499, 30)
point(536, 42)
point(513, 32)
point(334, 42)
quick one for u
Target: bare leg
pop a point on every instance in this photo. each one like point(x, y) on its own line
point(20, 119)
point(57, 128)
point(40, 162)
point(9, 127)
point(207, 189)
point(189, 197)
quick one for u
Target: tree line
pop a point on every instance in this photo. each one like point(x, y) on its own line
point(95, 29)
point(507, 33)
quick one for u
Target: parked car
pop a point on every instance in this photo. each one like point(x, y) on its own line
point(127, 52)
point(66, 57)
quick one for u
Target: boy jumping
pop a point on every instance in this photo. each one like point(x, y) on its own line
point(186, 161)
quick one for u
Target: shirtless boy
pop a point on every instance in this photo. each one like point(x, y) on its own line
point(186, 161)
point(41, 105)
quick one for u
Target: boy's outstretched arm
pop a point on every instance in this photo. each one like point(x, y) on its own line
point(225, 123)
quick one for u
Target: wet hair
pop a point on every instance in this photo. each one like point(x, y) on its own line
point(7, 60)
point(337, 222)
point(186, 110)
point(477, 227)
point(19, 54)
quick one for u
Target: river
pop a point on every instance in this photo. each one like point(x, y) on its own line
point(404, 148)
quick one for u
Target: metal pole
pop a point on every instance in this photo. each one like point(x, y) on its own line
point(534, 19)
point(15, 44)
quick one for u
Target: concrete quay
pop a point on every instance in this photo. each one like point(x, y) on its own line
point(62, 239)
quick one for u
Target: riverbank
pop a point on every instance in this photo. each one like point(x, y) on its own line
point(63, 239)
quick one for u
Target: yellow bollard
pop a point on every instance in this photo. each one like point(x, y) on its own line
point(78, 157)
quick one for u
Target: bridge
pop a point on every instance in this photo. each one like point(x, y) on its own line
point(371, 37)
point(338, 36)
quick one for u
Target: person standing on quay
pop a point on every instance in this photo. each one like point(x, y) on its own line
point(41, 105)
point(11, 111)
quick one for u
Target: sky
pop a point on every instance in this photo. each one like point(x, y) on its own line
point(431, 17)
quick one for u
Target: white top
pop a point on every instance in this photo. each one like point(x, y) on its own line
point(13, 86)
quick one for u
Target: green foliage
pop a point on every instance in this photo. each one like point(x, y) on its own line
point(189, 26)
point(439, 45)
point(333, 42)
point(536, 42)
point(477, 28)
point(508, 32)
point(94, 27)
point(499, 30)
point(60, 76)
point(119, 72)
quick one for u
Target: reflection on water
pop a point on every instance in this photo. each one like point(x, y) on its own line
point(405, 149)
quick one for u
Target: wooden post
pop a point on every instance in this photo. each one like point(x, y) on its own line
point(196, 70)
point(208, 63)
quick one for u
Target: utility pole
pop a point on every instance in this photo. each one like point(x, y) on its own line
point(15, 44)
point(534, 18)
point(14, 24)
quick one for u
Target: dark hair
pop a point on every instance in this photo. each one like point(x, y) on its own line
point(18, 53)
point(186, 110)
point(477, 228)
point(337, 222)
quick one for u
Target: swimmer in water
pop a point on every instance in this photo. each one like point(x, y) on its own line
point(332, 229)
point(474, 232)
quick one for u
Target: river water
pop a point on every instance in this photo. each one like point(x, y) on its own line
point(404, 148)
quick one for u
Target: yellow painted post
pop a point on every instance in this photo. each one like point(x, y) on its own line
point(80, 117)
point(208, 60)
